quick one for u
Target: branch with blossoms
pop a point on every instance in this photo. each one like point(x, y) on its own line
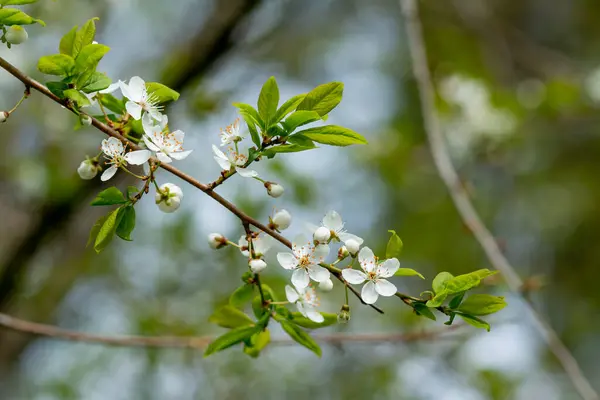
point(140, 135)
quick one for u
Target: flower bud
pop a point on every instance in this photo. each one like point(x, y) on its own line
point(88, 169)
point(282, 219)
point(85, 120)
point(344, 315)
point(343, 252)
point(168, 198)
point(16, 35)
point(274, 189)
point(353, 246)
point(216, 240)
point(322, 235)
point(4, 116)
point(257, 265)
point(326, 286)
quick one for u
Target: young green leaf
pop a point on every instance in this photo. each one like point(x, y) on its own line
point(408, 272)
point(301, 141)
point(66, 43)
point(251, 123)
point(241, 295)
point(88, 58)
point(287, 107)
point(76, 96)
point(482, 304)
point(438, 300)
point(299, 118)
point(13, 16)
point(465, 282)
point(229, 339)
point(440, 281)
point(132, 191)
point(108, 197)
point(96, 229)
point(56, 64)
point(268, 101)
point(230, 317)
point(112, 103)
point(16, 2)
point(423, 310)
point(394, 245)
point(300, 320)
point(323, 98)
point(333, 135)
point(107, 230)
point(96, 82)
point(476, 322)
point(127, 224)
point(250, 113)
point(285, 148)
point(456, 300)
point(83, 37)
point(162, 93)
point(57, 88)
point(258, 341)
point(300, 336)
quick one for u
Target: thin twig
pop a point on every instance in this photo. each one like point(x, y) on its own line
point(463, 204)
point(200, 342)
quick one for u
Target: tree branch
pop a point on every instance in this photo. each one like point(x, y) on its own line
point(463, 204)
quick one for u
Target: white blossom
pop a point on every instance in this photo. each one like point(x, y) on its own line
point(87, 170)
point(322, 235)
point(169, 197)
point(261, 245)
point(114, 151)
point(274, 190)
point(139, 99)
point(306, 300)
point(4, 116)
point(304, 261)
point(216, 240)
point(333, 222)
point(352, 246)
point(93, 97)
point(326, 286)
point(231, 134)
point(257, 265)
point(16, 35)
point(233, 159)
point(167, 145)
point(373, 274)
point(282, 219)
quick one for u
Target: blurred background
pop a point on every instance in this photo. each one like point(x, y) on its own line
point(518, 86)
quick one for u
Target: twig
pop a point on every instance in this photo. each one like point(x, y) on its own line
point(463, 204)
point(199, 342)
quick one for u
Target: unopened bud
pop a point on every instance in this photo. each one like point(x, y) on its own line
point(326, 285)
point(88, 169)
point(344, 315)
point(168, 198)
point(4, 116)
point(322, 235)
point(16, 34)
point(216, 240)
point(85, 120)
point(353, 246)
point(257, 265)
point(343, 252)
point(282, 219)
point(274, 189)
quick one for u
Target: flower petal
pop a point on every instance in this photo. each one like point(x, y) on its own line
point(287, 260)
point(320, 252)
point(366, 258)
point(224, 164)
point(137, 157)
point(318, 273)
point(111, 88)
point(134, 109)
point(291, 294)
point(300, 278)
point(354, 276)
point(180, 155)
point(108, 173)
point(112, 147)
point(385, 287)
point(333, 221)
point(368, 293)
point(388, 268)
point(150, 144)
point(163, 158)
point(345, 236)
point(314, 316)
point(246, 173)
point(125, 89)
point(137, 89)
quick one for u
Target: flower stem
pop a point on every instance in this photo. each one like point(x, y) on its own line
point(131, 173)
point(26, 94)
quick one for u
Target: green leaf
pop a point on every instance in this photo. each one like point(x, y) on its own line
point(285, 148)
point(229, 339)
point(299, 118)
point(56, 64)
point(423, 310)
point(301, 320)
point(333, 135)
point(96, 82)
point(258, 341)
point(247, 111)
point(112, 103)
point(127, 224)
point(438, 300)
point(440, 281)
point(323, 98)
point(476, 322)
point(465, 282)
point(96, 229)
point(132, 191)
point(107, 230)
point(83, 37)
point(408, 272)
point(287, 107)
point(57, 88)
point(77, 97)
point(268, 101)
point(300, 336)
point(230, 317)
point(394, 246)
point(88, 58)
point(482, 304)
point(66, 43)
point(162, 93)
point(16, 2)
point(241, 295)
point(108, 197)
point(301, 141)
point(456, 300)
point(251, 123)
point(13, 16)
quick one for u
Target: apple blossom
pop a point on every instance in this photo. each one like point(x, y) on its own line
point(282, 219)
point(167, 145)
point(88, 169)
point(231, 134)
point(260, 245)
point(16, 35)
point(322, 235)
point(304, 261)
point(169, 197)
point(4, 116)
point(333, 222)
point(216, 240)
point(274, 189)
point(139, 99)
point(233, 159)
point(306, 300)
point(373, 274)
point(257, 265)
point(114, 151)
point(326, 286)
